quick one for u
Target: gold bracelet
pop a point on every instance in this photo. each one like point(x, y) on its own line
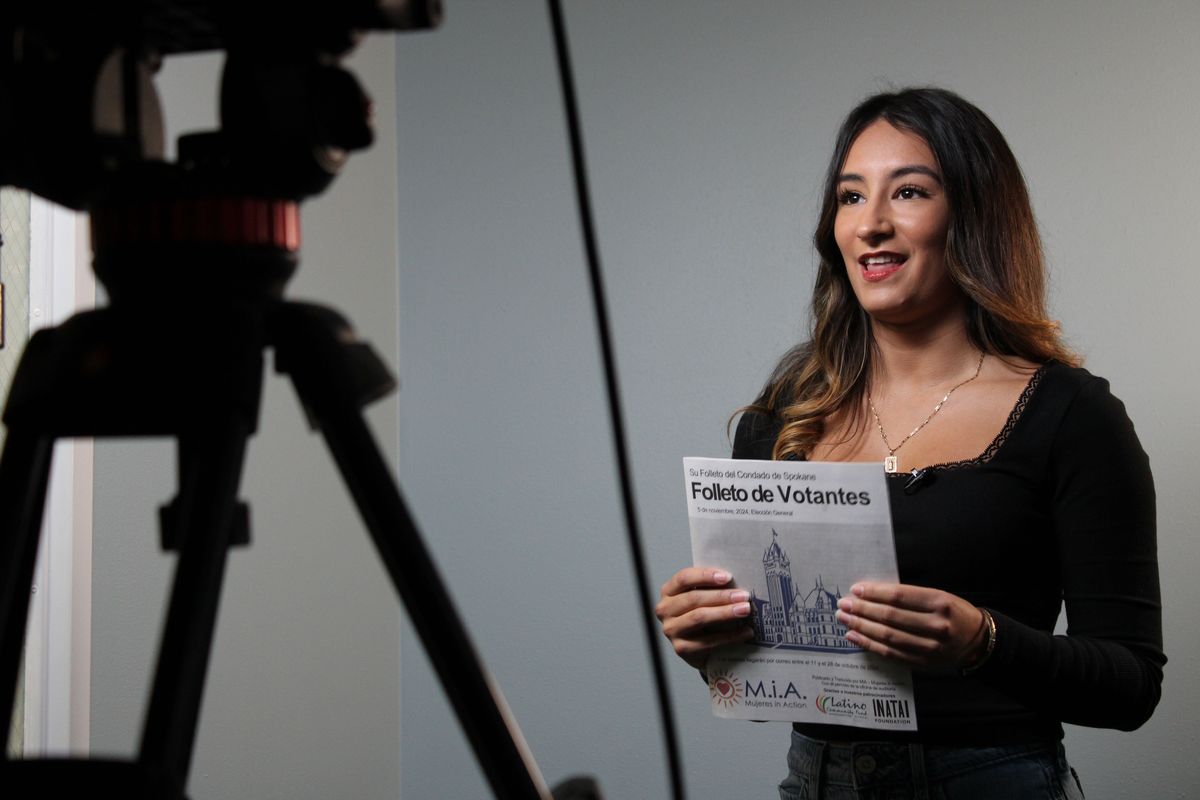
point(991, 644)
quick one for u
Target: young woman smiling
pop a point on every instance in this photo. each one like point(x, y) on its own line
point(1020, 483)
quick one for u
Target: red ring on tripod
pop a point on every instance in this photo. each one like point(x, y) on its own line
point(218, 220)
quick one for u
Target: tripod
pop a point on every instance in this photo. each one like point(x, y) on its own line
point(119, 371)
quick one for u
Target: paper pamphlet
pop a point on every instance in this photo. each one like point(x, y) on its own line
point(797, 535)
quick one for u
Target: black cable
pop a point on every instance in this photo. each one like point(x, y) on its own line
point(671, 741)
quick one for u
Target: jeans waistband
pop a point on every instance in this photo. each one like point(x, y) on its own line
point(868, 765)
point(865, 766)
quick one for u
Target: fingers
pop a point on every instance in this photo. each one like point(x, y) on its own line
point(910, 623)
point(890, 642)
point(714, 622)
point(900, 595)
point(700, 611)
point(693, 588)
point(934, 622)
point(687, 616)
point(692, 578)
point(695, 650)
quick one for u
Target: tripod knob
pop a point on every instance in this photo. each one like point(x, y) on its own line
point(168, 523)
point(578, 788)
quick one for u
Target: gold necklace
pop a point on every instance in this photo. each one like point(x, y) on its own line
point(889, 463)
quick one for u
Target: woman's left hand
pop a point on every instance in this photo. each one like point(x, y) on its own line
point(920, 626)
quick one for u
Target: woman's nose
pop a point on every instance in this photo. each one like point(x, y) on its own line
point(875, 222)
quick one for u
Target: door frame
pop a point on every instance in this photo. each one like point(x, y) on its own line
point(59, 636)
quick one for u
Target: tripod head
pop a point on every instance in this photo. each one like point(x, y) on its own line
point(81, 125)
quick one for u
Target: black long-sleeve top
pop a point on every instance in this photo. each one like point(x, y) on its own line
point(1058, 510)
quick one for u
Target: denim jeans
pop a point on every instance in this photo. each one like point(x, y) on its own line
point(887, 771)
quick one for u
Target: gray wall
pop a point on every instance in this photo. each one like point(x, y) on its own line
point(302, 699)
point(707, 126)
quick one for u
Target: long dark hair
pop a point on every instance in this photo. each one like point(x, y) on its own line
point(993, 254)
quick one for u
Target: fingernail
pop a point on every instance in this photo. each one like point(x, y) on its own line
point(853, 638)
point(857, 589)
point(843, 617)
point(738, 596)
point(721, 577)
point(741, 610)
point(846, 604)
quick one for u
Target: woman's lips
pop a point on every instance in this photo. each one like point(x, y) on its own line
point(879, 266)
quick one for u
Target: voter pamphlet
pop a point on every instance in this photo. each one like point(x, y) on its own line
point(797, 535)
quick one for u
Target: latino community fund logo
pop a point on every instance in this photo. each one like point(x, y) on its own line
point(725, 688)
point(840, 706)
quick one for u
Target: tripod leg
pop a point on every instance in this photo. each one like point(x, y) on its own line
point(335, 376)
point(210, 471)
point(24, 474)
point(481, 710)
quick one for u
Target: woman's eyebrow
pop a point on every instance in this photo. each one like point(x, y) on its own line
point(899, 172)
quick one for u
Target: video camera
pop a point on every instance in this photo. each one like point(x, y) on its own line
point(81, 125)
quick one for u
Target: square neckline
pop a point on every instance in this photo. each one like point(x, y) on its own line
point(989, 452)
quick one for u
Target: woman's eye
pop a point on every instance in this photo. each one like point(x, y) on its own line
point(911, 192)
point(848, 198)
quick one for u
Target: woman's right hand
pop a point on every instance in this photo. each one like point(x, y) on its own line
point(700, 611)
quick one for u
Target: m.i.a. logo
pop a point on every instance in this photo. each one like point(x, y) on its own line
point(725, 688)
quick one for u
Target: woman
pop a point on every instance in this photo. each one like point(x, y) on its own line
point(1020, 483)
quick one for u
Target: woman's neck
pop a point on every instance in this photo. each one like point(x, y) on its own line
point(914, 359)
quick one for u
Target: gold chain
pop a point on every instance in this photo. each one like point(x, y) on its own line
point(889, 463)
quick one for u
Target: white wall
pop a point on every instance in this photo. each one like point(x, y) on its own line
point(302, 698)
point(708, 124)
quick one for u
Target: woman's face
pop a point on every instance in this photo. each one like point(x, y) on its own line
point(891, 225)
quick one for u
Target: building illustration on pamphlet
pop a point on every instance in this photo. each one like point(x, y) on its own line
point(787, 619)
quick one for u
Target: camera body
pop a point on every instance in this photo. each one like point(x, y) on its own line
point(80, 117)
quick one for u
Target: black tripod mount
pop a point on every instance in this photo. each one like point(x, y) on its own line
point(192, 370)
